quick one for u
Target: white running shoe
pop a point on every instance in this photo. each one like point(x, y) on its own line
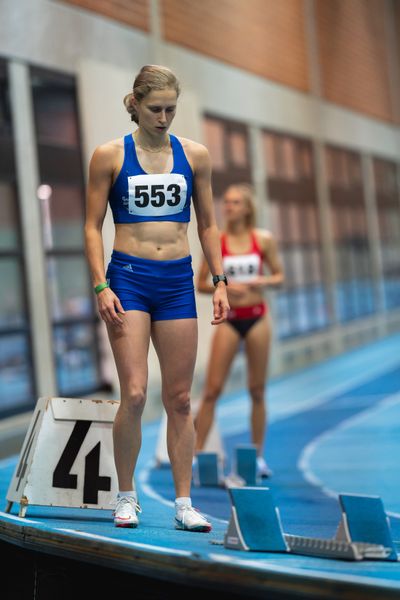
point(263, 469)
point(189, 519)
point(125, 513)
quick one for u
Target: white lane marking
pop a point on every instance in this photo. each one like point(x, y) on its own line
point(234, 411)
point(147, 489)
point(304, 462)
point(284, 408)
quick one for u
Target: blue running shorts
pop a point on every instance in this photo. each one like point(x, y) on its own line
point(163, 288)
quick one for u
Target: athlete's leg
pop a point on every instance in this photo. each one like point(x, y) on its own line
point(130, 345)
point(224, 346)
point(257, 344)
point(175, 342)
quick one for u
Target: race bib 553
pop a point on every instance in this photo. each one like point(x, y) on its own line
point(156, 195)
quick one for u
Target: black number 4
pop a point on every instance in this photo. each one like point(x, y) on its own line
point(62, 478)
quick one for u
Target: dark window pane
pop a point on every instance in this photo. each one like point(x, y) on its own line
point(69, 287)
point(283, 313)
point(76, 358)
point(60, 164)
point(228, 144)
point(62, 216)
point(7, 166)
point(9, 226)
point(16, 378)
point(61, 195)
point(5, 112)
point(16, 388)
point(12, 306)
point(55, 112)
point(355, 286)
point(294, 221)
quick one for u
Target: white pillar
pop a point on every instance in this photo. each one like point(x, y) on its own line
point(28, 181)
point(157, 50)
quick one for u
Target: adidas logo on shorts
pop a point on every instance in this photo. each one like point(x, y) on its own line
point(128, 267)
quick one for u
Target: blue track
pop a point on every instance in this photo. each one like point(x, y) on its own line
point(333, 428)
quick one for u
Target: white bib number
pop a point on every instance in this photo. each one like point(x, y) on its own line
point(156, 195)
point(242, 268)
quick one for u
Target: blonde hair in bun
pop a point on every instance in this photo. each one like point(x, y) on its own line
point(149, 78)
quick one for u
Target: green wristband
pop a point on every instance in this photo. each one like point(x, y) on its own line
point(102, 286)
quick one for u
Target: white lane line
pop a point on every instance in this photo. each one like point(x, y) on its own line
point(304, 462)
point(147, 489)
point(278, 411)
point(284, 409)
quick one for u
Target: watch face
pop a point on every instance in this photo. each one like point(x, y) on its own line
point(218, 278)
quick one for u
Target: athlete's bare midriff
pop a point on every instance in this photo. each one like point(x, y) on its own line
point(249, 298)
point(165, 240)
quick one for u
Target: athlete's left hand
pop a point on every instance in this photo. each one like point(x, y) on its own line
point(221, 304)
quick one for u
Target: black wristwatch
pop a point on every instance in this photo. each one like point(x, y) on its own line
point(218, 278)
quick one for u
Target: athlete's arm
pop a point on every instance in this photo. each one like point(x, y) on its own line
point(203, 279)
point(208, 232)
point(271, 257)
point(100, 177)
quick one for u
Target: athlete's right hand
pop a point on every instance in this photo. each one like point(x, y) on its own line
point(109, 304)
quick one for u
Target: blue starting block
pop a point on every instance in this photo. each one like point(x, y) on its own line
point(363, 533)
point(207, 470)
point(255, 522)
point(245, 463)
point(364, 520)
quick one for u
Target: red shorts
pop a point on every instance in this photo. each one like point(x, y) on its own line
point(247, 312)
point(242, 318)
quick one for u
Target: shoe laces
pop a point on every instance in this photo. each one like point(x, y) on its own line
point(128, 500)
point(190, 509)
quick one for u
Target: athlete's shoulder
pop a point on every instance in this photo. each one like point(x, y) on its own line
point(108, 149)
point(264, 234)
point(264, 237)
point(195, 150)
point(107, 153)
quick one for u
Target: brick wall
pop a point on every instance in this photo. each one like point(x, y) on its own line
point(131, 12)
point(353, 55)
point(265, 37)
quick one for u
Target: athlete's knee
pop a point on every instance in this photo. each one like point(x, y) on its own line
point(179, 402)
point(212, 392)
point(134, 398)
point(257, 393)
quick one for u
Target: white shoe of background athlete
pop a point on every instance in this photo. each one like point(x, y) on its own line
point(263, 469)
point(125, 513)
point(234, 480)
point(189, 519)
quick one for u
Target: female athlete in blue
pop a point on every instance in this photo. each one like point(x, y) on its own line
point(149, 178)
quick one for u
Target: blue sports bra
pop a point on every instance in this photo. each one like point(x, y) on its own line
point(137, 196)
